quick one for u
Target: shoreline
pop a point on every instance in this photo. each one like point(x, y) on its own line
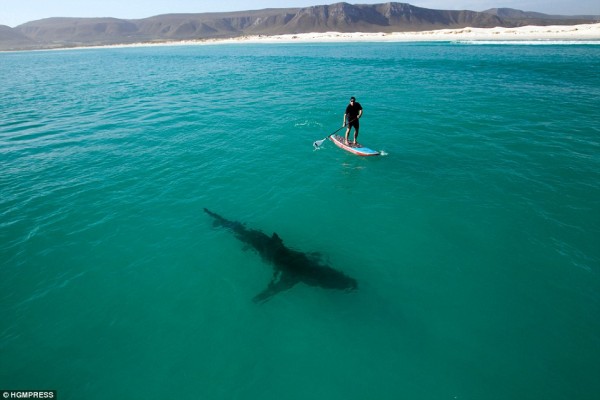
point(566, 33)
point(584, 34)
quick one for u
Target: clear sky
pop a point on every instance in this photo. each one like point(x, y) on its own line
point(16, 12)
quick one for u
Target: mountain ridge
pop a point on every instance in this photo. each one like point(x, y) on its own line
point(61, 32)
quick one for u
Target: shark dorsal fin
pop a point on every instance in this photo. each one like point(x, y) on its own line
point(276, 238)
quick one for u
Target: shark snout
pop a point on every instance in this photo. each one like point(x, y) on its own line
point(352, 284)
point(346, 283)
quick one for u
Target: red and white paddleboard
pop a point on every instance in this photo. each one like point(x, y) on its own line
point(354, 148)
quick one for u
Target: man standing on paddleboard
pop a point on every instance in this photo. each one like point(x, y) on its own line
point(351, 116)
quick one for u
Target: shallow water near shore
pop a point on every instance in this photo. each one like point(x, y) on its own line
point(474, 240)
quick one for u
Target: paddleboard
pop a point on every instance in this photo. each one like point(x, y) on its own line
point(354, 148)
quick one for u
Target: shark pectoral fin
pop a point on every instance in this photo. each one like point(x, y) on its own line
point(284, 282)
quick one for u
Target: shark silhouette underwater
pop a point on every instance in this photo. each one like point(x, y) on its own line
point(289, 266)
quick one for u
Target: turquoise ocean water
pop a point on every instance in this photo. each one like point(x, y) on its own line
point(475, 239)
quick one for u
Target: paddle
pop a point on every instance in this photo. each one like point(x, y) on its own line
point(318, 143)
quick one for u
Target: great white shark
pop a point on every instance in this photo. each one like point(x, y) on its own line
point(289, 266)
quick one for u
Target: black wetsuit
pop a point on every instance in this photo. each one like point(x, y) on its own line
point(352, 114)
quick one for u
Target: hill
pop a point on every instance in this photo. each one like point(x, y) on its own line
point(340, 17)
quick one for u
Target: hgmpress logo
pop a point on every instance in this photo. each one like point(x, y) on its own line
point(27, 394)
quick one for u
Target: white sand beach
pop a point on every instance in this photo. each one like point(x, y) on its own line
point(586, 33)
